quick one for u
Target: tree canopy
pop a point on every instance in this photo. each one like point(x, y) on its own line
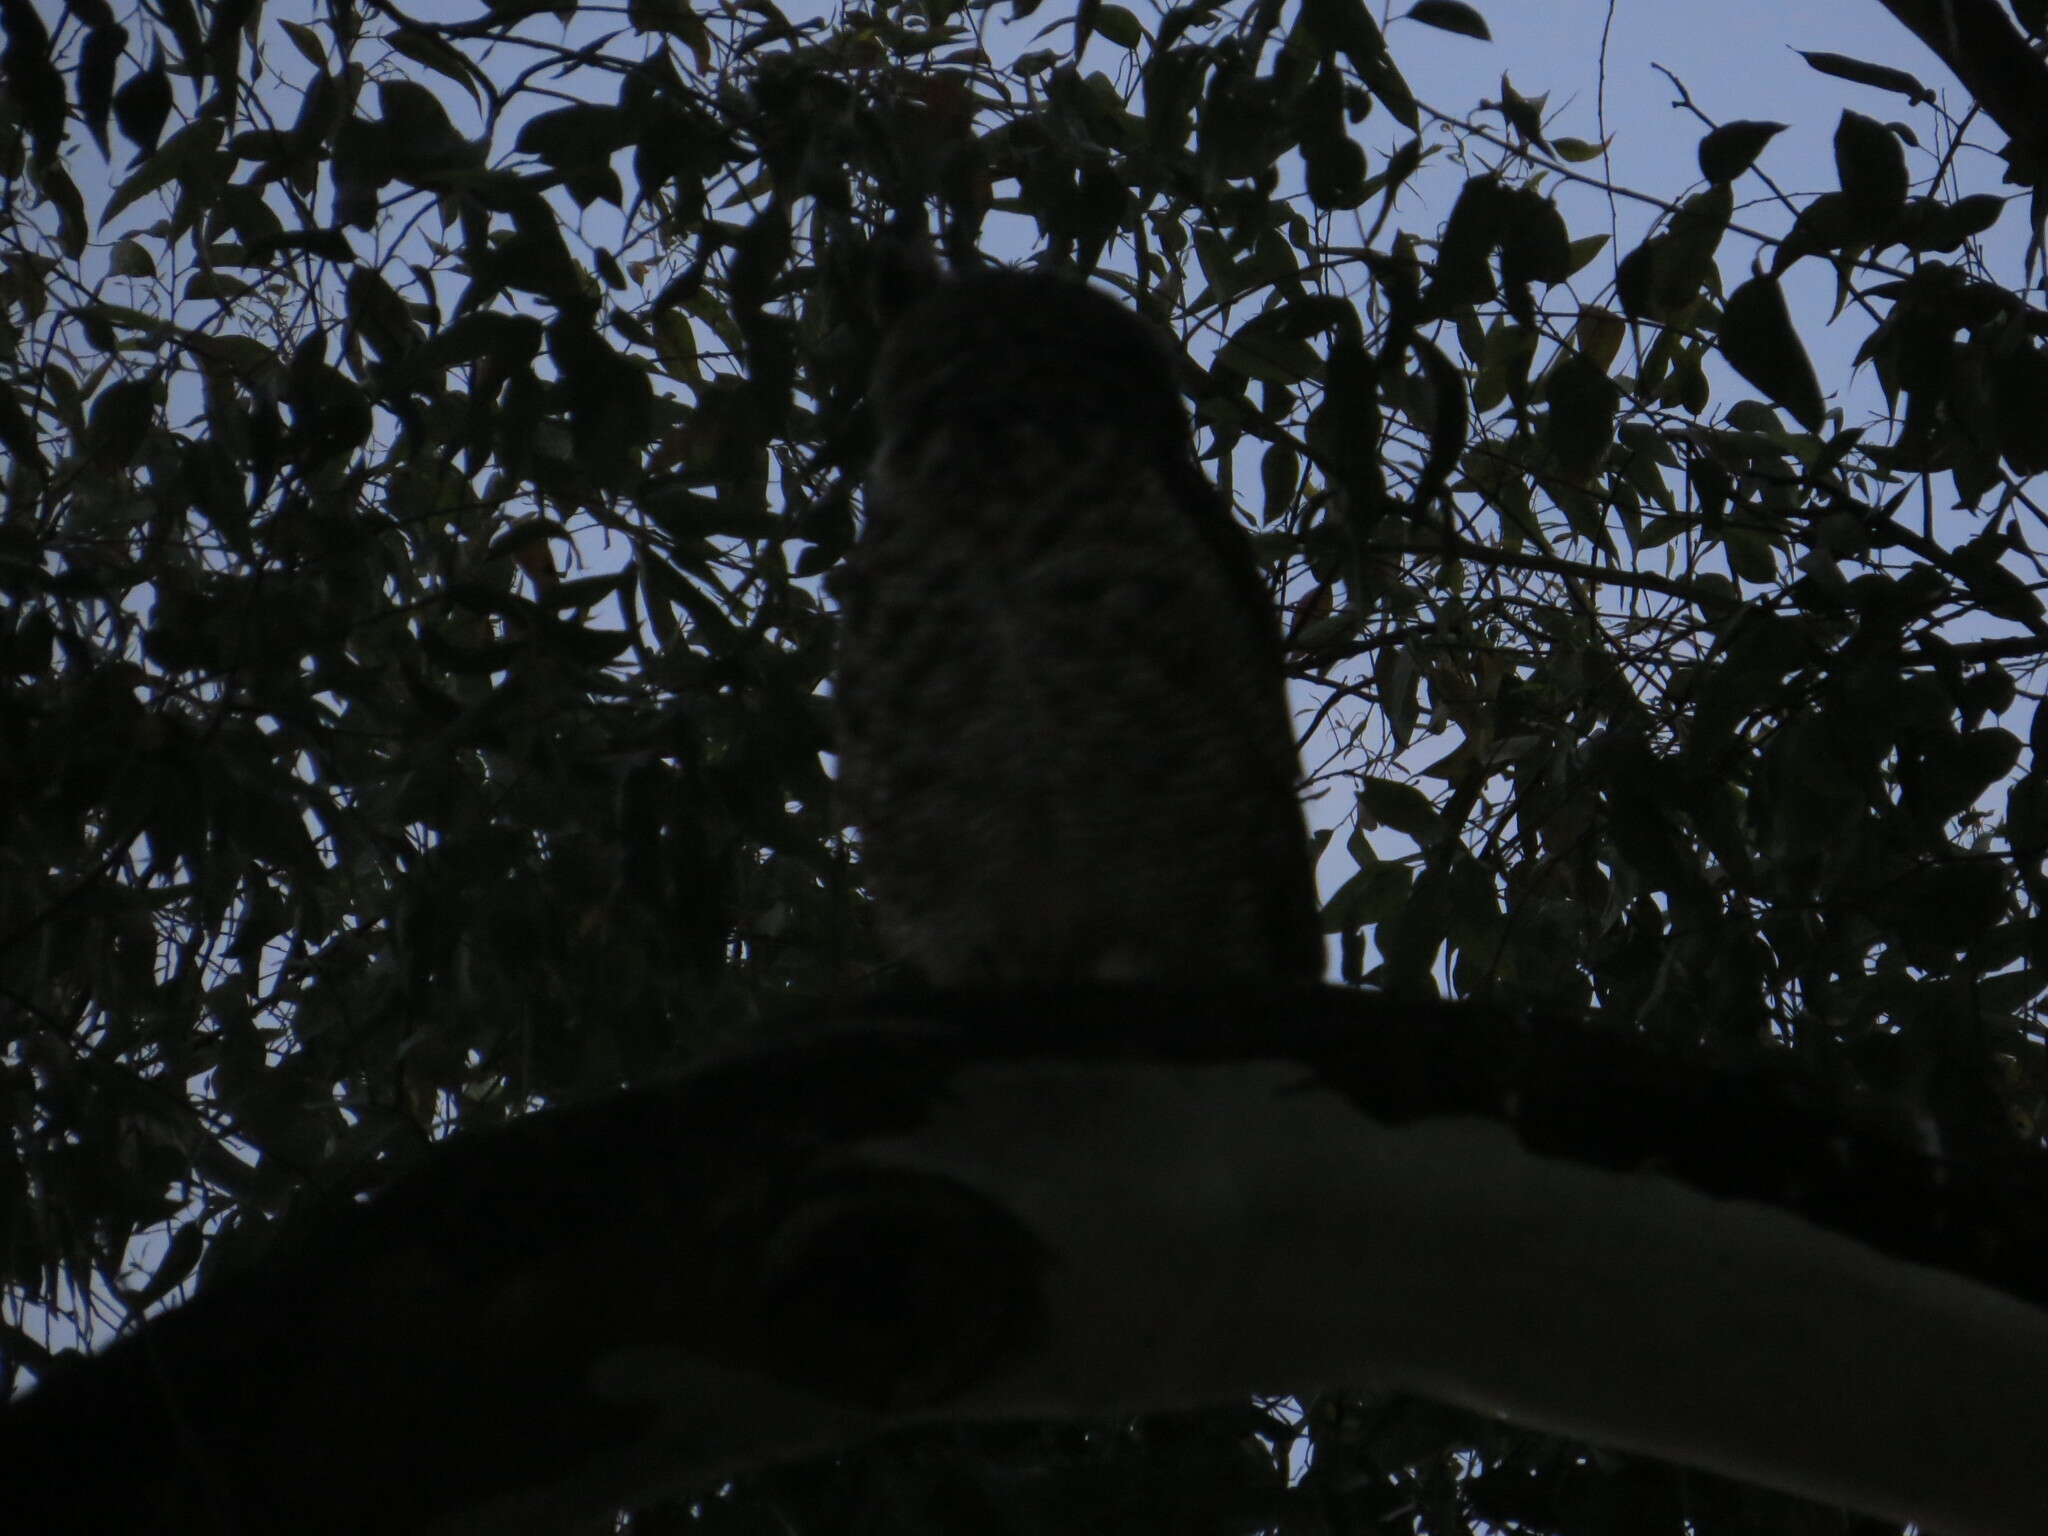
point(429, 444)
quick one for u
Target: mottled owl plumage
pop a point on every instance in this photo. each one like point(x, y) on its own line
point(1063, 729)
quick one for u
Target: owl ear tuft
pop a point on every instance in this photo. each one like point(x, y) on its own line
point(904, 270)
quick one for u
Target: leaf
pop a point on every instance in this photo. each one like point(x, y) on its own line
point(1580, 427)
point(505, 12)
point(97, 61)
point(585, 133)
point(2019, 378)
point(1660, 278)
point(677, 19)
point(218, 286)
point(1335, 172)
point(435, 53)
point(420, 141)
point(1759, 342)
point(120, 416)
point(1883, 76)
point(35, 86)
point(130, 258)
point(1257, 352)
point(1450, 417)
point(1375, 894)
point(1524, 114)
point(509, 341)
point(184, 158)
point(18, 437)
point(1583, 250)
point(379, 316)
point(1599, 334)
point(72, 231)
point(610, 401)
point(1119, 26)
point(1535, 246)
point(307, 41)
point(1279, 475)
point(1963, 219)
point(1471, 233)
point(142, 106)
point(1871, 164)
point(1451, 16)
point(1347, 27)
point(246, 356)
point(327, 244)
point(1733, 147)
point(1403, 807)
point(1579, 151)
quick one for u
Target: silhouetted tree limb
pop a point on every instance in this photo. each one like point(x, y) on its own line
point(1083, 1203)
point(1983, 49)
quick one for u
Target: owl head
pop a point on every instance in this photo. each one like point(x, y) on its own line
point(997, 352)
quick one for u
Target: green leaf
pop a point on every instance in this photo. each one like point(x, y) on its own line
point(1451, 16)
point(97, 61)
point(1259, 352)
point(1535, 246)
point(419, 140)
point(1883, 76)
point(1347, 27)
point(35, 86)
point(191, 155)
point(436, 53)
point(1598, 335)
point(142, 106)
point(1831, 222)
point(1471, 235)
point(577, 135)
point(1638, 281)
point(1583, 250)
point(1279, 475)
point(1580, 427)
point(1375, 894)
point(1335, 170)
point(72, 230)
point(1962, 220)
point(130, 258)
point(1661, 277)
point(307, 41)
point(1119, 26)
point(1579, 151)
point(1733, 147)
point(1759, 342)
point(1524, 114)
point(1871, 163)
point(219, 286)
point(327, 244)
point(1402, 807)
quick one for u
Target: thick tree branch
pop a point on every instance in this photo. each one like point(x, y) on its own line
point(1984, 50)
point(1084, 1203)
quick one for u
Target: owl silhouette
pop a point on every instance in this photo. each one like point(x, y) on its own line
point(1062, 724)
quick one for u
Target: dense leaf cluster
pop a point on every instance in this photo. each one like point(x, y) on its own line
point(428, 444)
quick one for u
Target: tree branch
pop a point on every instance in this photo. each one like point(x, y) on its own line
point(1084, 1203)
point(1984, 50)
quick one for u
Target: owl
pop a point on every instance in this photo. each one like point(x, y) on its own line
point(1062, 726)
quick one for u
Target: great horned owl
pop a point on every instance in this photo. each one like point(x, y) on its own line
point(1062, 728)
